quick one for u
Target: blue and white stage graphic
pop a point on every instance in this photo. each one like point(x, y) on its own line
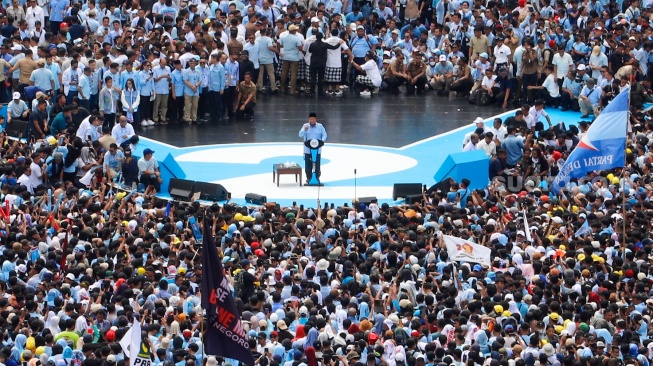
point(247, 168)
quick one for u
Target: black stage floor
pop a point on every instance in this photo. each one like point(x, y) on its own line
point(380, 120)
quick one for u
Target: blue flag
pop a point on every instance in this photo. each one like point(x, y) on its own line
point(602, 147)
point(225, 335)
point(584, 229)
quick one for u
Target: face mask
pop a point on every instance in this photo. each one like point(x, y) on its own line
point(432, 63)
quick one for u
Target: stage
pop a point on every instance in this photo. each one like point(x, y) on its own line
point(243, 162)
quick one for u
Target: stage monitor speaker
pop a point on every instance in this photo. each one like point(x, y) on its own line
point(181, 189)
point(211, 192)
point(443, 186)
point(367, 200)
point(413, 198)
point(404, 190)
point(255, 199)
point(16, 129)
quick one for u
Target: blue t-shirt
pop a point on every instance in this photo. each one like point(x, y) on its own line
point(290, 51)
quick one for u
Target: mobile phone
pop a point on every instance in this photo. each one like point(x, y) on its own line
point(301, 207)
point(294, 203)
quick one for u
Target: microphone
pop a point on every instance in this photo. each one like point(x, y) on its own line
point(355, 196)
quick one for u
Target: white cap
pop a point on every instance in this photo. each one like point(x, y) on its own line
point(443, 58)
point(520, 233)
point(16, 95)
point(479, 120)
point(581, 67)
point(315, 20)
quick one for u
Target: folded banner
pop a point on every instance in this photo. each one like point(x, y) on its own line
point(465, 251)
point(225, 335)
point(603, 145)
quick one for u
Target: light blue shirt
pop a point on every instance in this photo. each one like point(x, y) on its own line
point(265, 56)
point(440, 69)
point(57, 8)
point(95, 88)
point(290, 51)
point(178, 82)
point(514, 147)
point(42, 78)
point(163, 85)
point(12, 62)
point(193, 77)
point(85, 87)
point(314, 132)
point(217, 77)
point(232, 69)
point(593, 95)
point(360, 45)
point(147, 86)
point(114, 161)
point(126, 75)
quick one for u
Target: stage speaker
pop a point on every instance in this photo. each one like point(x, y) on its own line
point(180, 189)
point(404, 190)
point(17, 128)
point(443, 186)
point(413, 198)
point(367, 200)
point(255, 199)
point(211, 192)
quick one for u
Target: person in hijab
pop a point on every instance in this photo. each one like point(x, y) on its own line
point(19, 347)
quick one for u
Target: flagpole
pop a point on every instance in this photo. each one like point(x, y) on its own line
point(623, 185)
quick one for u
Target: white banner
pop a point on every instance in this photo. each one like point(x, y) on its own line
point(466, 251)
point(133, 347)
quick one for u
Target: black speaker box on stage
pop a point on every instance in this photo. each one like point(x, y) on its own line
point(211, 192)
point(367, 200)
point(404, 190)
point(17, 129)
point(181, 189)
point(255, 199)
point(443, 186)
point(413, 198)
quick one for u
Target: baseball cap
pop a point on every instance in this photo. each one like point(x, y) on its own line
point(16, 95)
point(148, 151)
point(442, 58)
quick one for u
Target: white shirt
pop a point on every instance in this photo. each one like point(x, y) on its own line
point(372, 71)
point(82, 131)
point(562, 63)
point(488, 82)
point(551, 86)
point(35, 178)
point(334, 58)
point(490, 149)
point(470, 147)
point(501, 54)
point(32, 15)
point(500, 133)
point(122, 134)
point(535, 114)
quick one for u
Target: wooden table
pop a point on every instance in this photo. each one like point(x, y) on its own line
point(280, 169)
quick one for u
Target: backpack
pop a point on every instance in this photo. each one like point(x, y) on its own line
point(239, 283)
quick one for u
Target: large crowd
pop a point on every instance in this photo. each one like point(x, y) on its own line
point(570, 274)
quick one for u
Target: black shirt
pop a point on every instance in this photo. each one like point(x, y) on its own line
point(318, 50)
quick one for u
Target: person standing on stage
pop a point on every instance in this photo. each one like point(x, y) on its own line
point(312, 130)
